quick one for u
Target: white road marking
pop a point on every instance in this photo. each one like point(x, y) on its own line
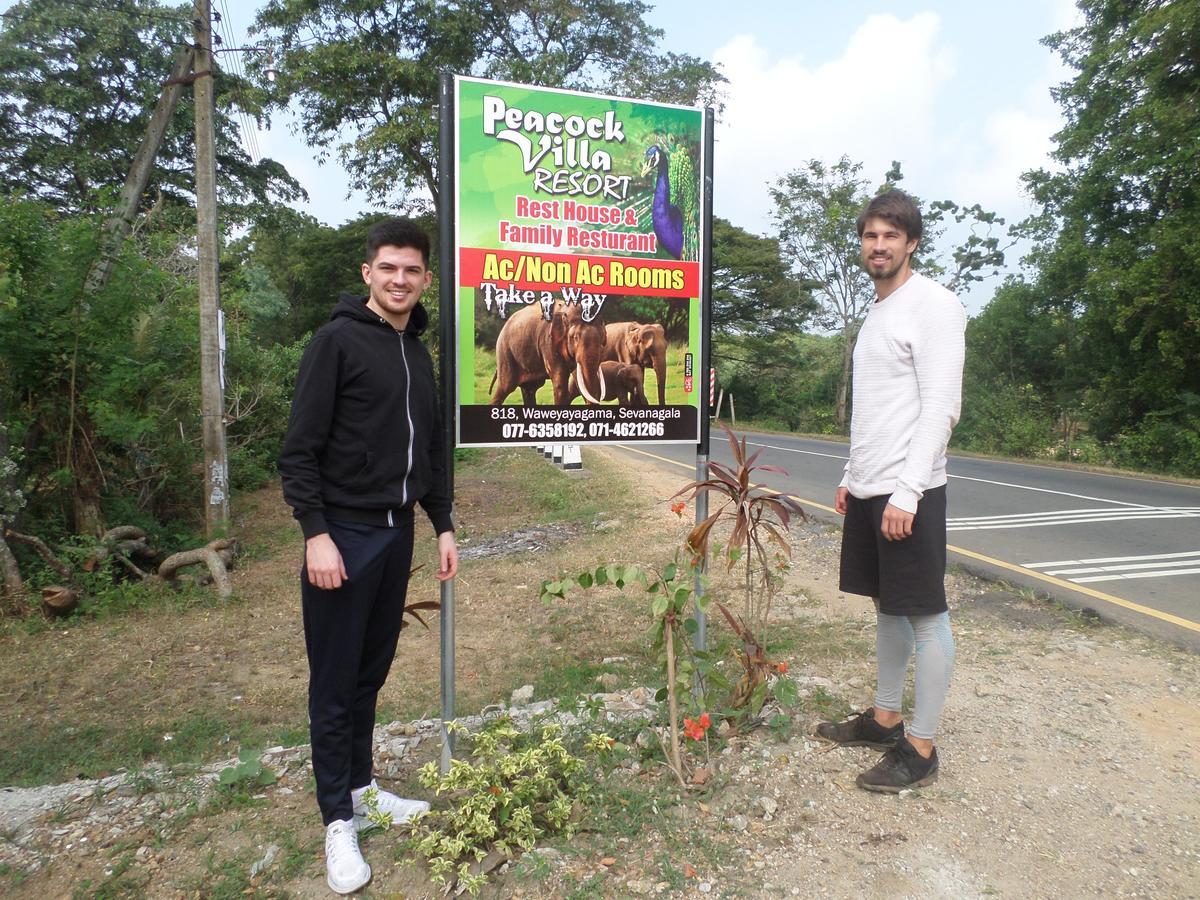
point(1022, 487)
point(1025, 487)
point(794, 450)
point(1111, 559)
point(1132, 575)
point(1104, 510)
point(1068, 517)
point(1128, 567)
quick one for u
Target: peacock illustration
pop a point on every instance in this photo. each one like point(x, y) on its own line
point(674, 211)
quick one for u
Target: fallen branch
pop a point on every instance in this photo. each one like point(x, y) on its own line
point(43, 551)
point(210, 555)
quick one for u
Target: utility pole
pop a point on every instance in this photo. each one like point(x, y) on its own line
point(212, 393)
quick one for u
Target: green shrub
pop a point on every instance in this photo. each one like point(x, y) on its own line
point(516, 789)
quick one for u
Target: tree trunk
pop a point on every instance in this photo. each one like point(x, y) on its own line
point(85, 488)
point(843, 385)
point(14, 586)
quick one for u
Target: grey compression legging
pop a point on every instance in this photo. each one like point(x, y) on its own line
point(894, 640)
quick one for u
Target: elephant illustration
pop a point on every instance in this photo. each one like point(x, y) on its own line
point(624, 382)
point(643, 345)
point(531, 349)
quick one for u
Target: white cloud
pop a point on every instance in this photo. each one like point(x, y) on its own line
point(1013, 141)
point(875, 103)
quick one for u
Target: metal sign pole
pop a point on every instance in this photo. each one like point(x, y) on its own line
point(446, 354)
point(706, 360)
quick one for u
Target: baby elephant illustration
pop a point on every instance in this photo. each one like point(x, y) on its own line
point(623, 382)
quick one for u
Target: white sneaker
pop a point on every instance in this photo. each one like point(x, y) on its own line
point(345, 869)
point(398, 808)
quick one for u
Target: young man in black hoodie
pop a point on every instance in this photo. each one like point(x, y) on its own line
point(364, 444)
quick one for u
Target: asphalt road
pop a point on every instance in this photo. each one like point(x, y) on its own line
point(1127, 548)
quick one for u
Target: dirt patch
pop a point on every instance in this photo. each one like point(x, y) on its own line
point(1070, 752)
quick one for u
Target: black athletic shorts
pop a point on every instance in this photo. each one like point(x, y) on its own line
point(907, 576)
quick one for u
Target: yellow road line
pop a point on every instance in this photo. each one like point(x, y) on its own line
point(1082, 589)
point(1012, 567)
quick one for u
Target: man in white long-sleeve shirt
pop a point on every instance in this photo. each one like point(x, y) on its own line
point(907, 387)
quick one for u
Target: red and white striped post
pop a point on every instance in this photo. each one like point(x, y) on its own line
point(712, 386)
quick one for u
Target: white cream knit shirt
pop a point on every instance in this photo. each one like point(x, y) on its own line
point(908, 366)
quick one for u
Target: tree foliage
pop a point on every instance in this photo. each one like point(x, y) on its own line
point(77, 85)
point(816, 208)
point(111, 385)
point(364, 73)
point(1117, 254)
point(753, 289)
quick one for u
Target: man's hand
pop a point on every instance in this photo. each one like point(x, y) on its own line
point(897, 524)
point(324, 563)
point(447, 556)
point(840, 501)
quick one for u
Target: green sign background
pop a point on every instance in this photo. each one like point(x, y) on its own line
point(490, 176)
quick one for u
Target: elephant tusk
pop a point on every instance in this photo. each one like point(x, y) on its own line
point(583, 384)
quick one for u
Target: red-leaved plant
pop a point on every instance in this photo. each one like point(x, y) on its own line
point(759, 520)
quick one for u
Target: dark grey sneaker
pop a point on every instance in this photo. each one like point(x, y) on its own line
point(861, 730)
point(900, 768)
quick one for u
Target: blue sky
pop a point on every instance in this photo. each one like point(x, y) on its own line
point(959, 92)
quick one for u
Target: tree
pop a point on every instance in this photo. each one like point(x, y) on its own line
point(1016, 381)
point(364, 73)
point(77, 84)
point(758, 310)
point(816, 208)
point(310, 264)
point(753, 291)
point(1117, 250)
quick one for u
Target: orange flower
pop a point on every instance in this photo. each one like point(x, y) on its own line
point(695, 728)
point(678, 507)
point(495, 790)
point(781, 668)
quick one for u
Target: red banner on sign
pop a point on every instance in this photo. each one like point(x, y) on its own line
point(551, 271)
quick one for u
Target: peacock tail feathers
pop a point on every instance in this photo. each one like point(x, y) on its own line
point(685, 196)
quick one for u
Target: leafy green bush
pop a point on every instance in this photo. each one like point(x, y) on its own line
point(1009, 419)
point(1161, 444)
point(516, 789)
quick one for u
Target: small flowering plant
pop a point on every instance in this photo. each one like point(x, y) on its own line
point(670, 590)
point(697, 728)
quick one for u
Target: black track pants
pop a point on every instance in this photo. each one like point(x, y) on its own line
point(350, 635)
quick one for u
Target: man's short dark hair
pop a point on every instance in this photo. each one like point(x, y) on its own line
point(397, 233)
point(896, 207)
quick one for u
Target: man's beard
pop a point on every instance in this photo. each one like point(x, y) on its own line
point(885, 273)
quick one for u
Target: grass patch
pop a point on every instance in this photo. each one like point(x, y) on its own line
point(54, 754)
point(539, 492)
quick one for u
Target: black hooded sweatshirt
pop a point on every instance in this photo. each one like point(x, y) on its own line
point(365, 432)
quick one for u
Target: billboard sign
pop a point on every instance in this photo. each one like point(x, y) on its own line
point(579, 255)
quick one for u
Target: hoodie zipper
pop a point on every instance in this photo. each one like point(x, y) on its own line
point(408, 416)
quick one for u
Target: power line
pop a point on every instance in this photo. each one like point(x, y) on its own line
point(250, 129)
point(249, 133)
